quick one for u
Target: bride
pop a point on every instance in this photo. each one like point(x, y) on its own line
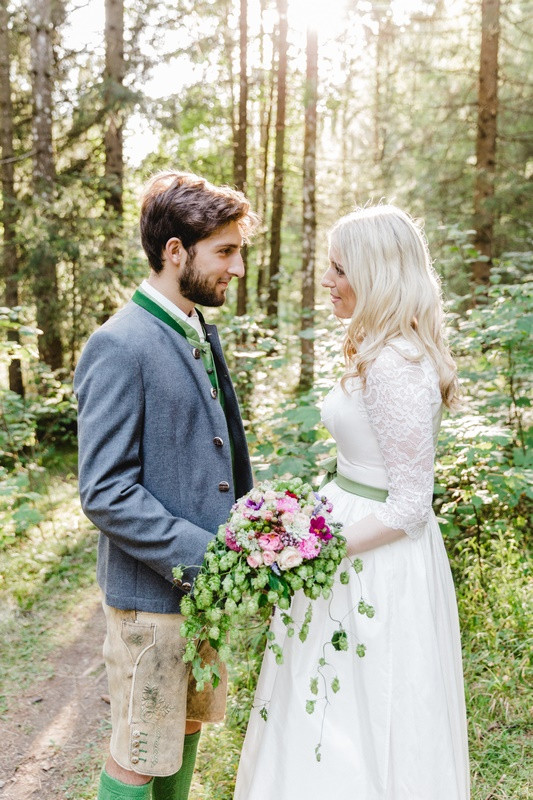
point(396, 729)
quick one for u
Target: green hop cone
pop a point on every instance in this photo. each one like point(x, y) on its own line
point(344, 577)
point(187, 607)
point(310, 706)
point(190, 652)
point(357, 564)
point(239, 578)
point(203, 600)
point(214, 632)
point(252, 605)
point(370, 612)
point(224, 652)
point(335, 684)
point(284, 602)
point(224, 563)
point(360, 650)
point(230, 606)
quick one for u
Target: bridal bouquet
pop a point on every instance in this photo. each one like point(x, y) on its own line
point(280, 538)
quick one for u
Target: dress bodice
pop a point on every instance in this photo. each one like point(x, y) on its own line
point(386, 434)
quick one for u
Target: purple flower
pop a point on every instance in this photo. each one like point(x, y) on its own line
point(319, 527)
point(252, 504)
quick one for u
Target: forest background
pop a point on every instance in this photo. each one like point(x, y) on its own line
point(310, 108)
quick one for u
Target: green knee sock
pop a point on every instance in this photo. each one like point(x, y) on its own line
point(177, 786)
point(112, 789)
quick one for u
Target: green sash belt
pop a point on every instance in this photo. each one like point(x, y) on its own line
point(354, 487)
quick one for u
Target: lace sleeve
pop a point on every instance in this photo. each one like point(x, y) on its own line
point(398, 399)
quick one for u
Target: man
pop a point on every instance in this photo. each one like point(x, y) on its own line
point(162, 458)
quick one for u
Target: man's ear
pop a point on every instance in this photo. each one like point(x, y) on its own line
point(174, 252)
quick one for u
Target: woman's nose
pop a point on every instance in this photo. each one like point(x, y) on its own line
point(327, 280)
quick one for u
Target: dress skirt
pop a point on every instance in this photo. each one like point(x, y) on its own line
point(396, 729)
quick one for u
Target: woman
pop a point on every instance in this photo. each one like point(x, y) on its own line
point(396, 730)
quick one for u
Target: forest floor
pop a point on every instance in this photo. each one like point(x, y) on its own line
point(55, 732)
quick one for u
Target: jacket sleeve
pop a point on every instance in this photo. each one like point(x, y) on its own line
point(109, 387)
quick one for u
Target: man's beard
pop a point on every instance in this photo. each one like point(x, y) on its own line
point(195, 287)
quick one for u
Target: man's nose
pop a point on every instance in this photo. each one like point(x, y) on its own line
point(237, 266)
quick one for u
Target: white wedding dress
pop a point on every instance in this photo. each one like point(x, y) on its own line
point(396, 729)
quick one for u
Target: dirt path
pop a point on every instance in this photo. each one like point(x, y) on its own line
point(48, 741)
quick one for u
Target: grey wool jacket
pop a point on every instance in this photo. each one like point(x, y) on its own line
point(155, 463)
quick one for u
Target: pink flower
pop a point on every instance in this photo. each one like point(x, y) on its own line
point(254, 560)
point(310, 547)
point(270, 541)
point(287, 504)
point(289, 558)
point(269, 557)
point(231, 542)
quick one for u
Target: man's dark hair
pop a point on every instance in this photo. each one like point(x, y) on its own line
point(190, 208)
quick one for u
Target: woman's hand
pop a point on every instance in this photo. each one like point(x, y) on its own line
point(368, 534)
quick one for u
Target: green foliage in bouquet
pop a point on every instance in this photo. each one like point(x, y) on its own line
point(279, 539)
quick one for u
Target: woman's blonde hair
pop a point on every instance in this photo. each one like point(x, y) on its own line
point(385, 257)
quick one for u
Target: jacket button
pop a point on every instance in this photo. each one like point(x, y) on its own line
point(214, 393)
point(196, 353)
point(218, 441)
point(223, 486)
point(134, 759)
point(186, 586)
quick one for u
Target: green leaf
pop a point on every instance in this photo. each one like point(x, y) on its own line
point(339, 640)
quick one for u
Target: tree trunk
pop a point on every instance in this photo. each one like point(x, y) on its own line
point(486, 139)
point(114, 159)
point(240, 151)
point(9, 208)
point(277, 195)
point(309, 215)
point(45, 277)
point(266, 105)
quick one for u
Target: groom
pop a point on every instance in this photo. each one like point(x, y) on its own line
point(162, 458)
